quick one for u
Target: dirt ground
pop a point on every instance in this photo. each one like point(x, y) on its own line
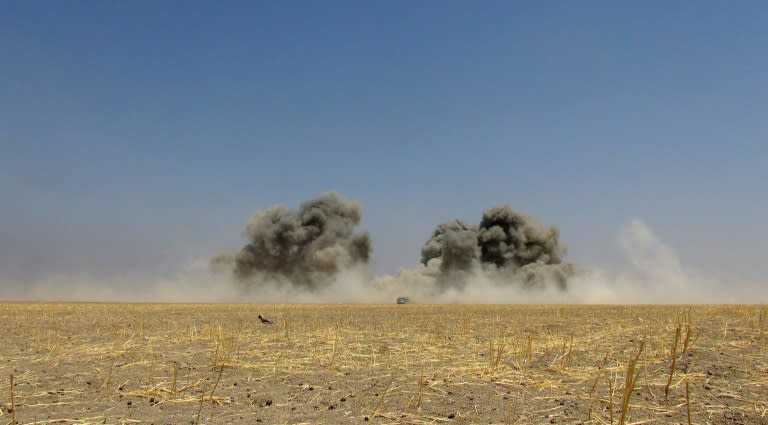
point(383, 364)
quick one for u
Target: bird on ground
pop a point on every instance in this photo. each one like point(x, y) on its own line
point(265, 321)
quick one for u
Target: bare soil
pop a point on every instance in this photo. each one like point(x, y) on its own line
point(382, 364)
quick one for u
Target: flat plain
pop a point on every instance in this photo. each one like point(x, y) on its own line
point(383, 364)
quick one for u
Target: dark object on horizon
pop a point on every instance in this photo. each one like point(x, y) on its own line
point(403, 300)
point(265, 321)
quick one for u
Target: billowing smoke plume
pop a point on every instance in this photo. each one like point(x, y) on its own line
point(306, 248)
point(509, 247)
point(455, 244)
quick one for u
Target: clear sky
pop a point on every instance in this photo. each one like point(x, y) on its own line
point(134, 135)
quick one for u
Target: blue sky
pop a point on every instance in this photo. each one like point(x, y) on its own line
point(137, 134)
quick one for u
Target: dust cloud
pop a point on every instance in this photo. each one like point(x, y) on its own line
point(508, 247)
point(191, 282)
point(654, 274)
point(305, 248)
point(315, 255)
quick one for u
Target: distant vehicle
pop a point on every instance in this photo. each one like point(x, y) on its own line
point(403, 300)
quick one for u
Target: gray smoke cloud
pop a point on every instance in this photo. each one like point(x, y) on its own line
point(508, 247)
point(314, 248)
point(304, 248)
point(454, 243)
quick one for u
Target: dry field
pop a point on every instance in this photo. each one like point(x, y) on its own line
point(382, 364)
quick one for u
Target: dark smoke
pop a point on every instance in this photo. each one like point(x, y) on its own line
point(509, 238)
point(455, 244)
point(304, 248)
point(508, 246)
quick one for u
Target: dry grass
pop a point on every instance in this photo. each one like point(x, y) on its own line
point(408, 364)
